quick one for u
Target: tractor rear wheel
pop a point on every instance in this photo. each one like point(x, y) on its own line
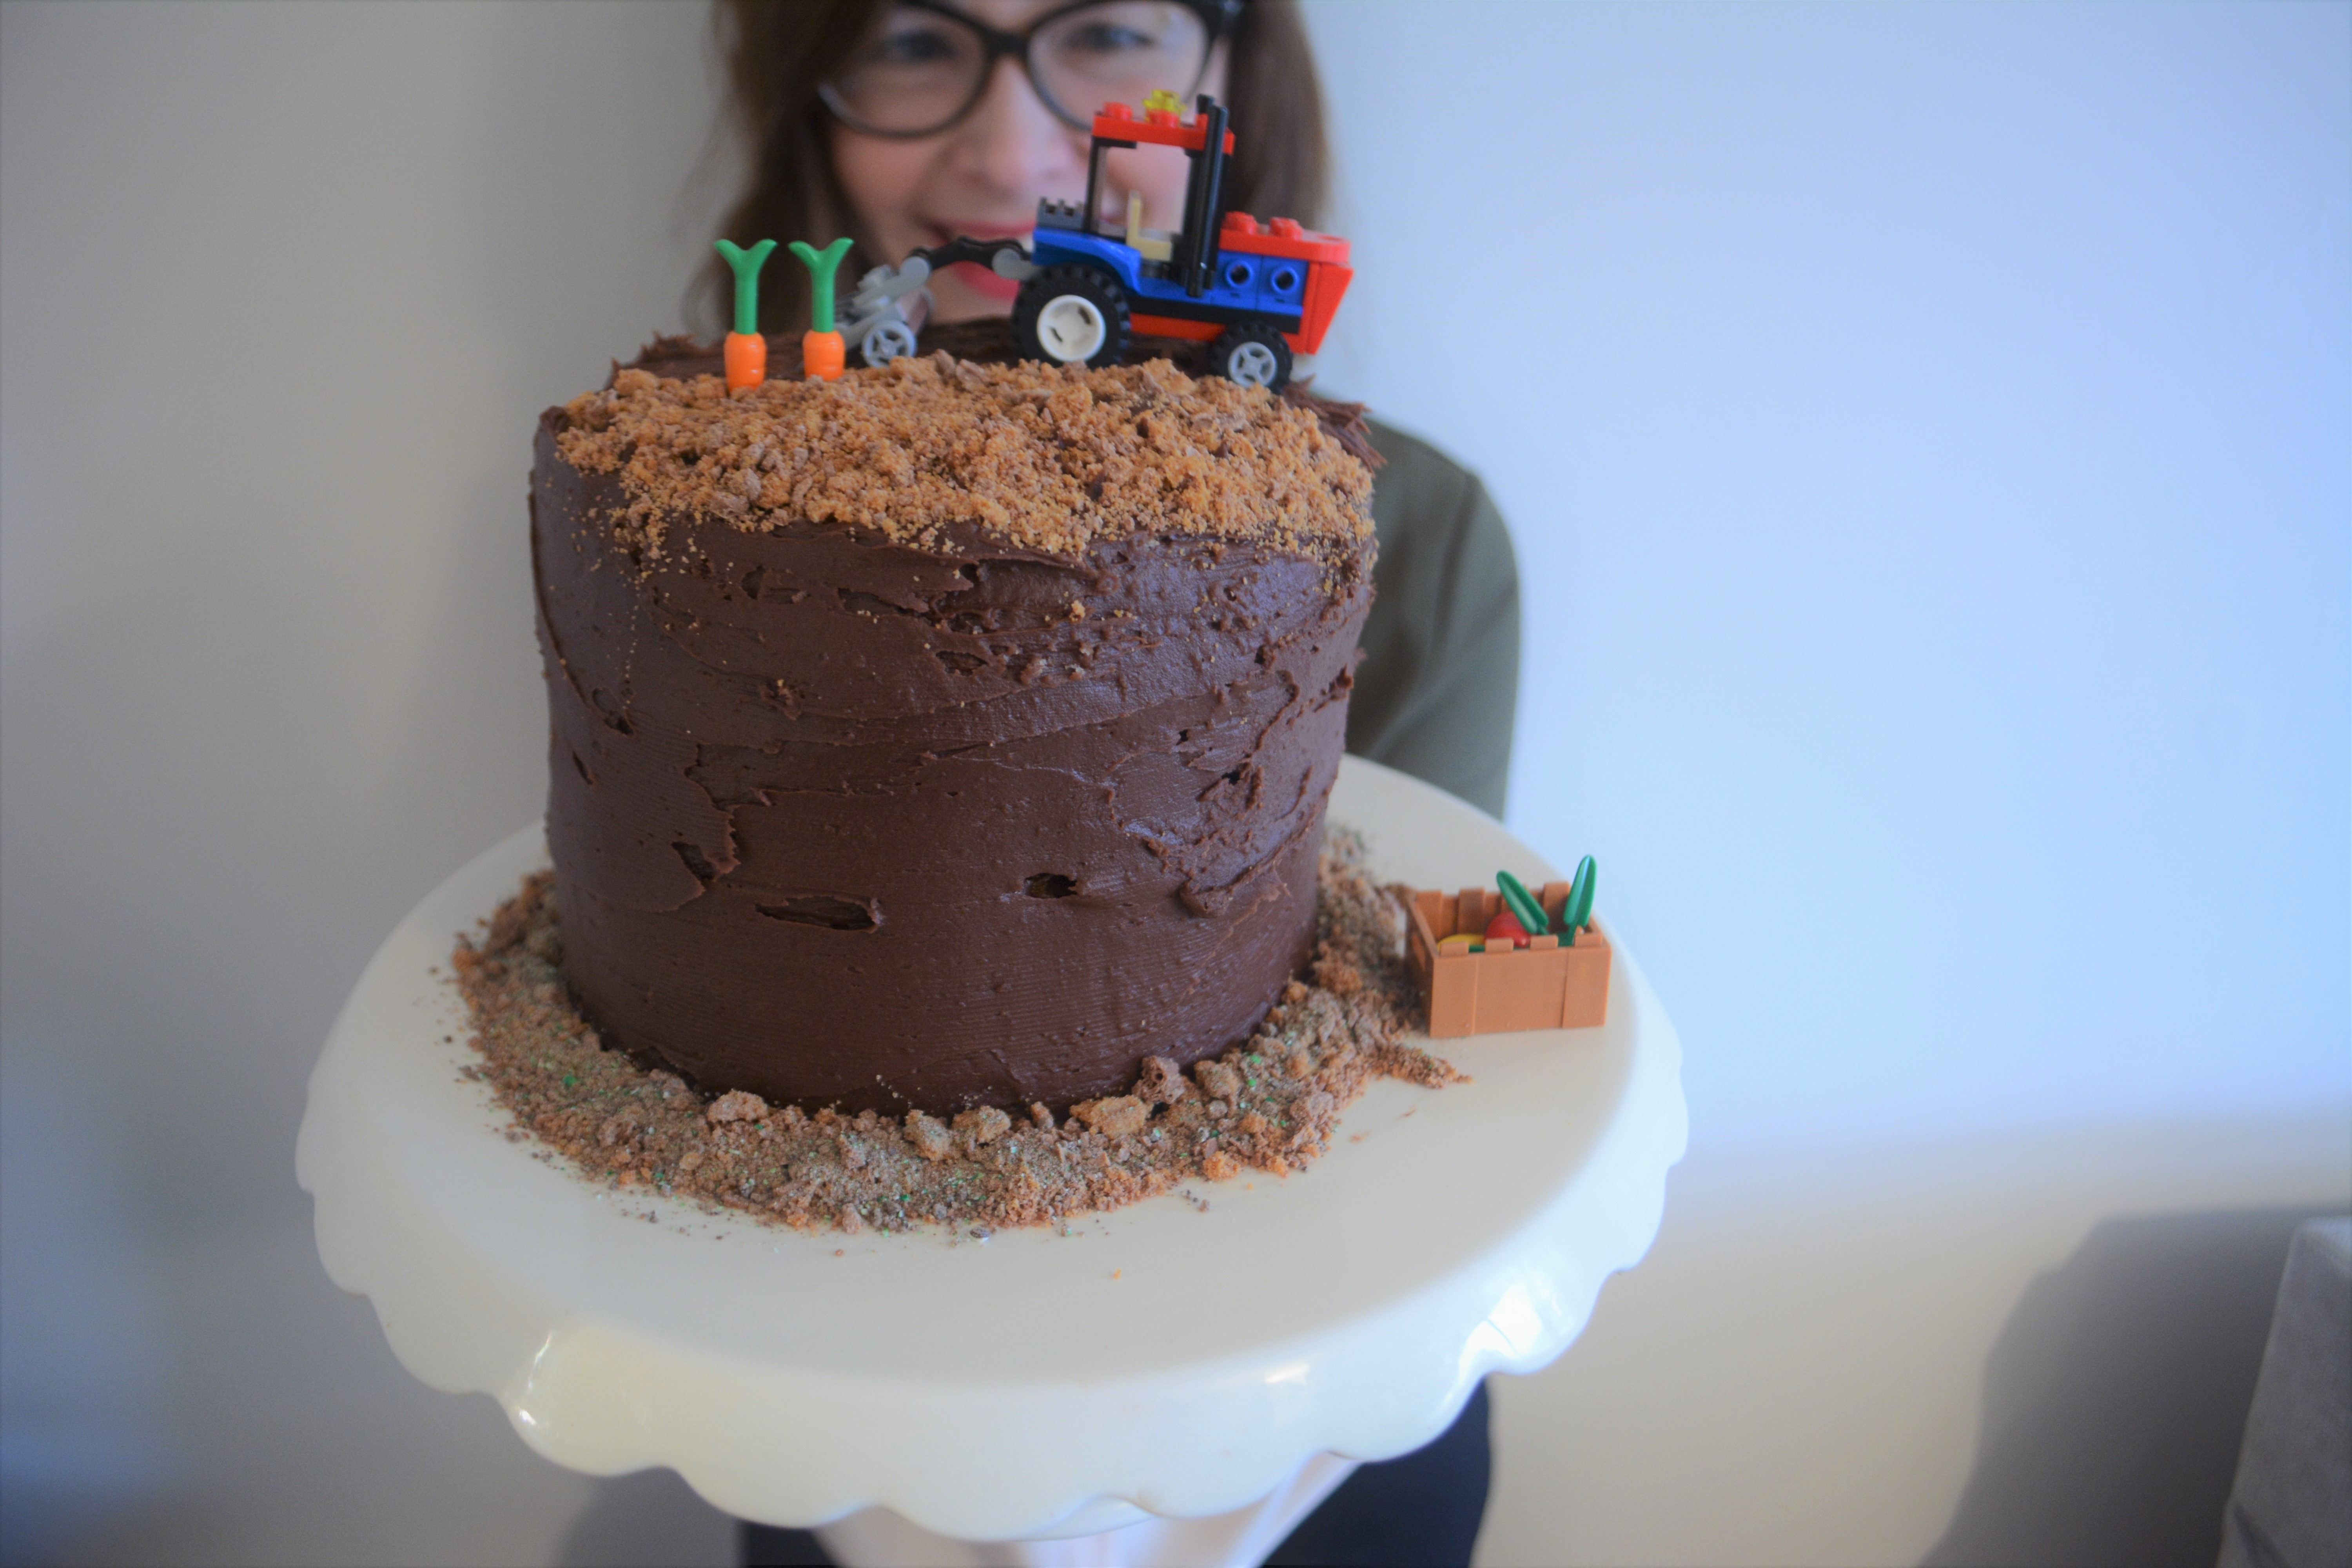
point(1071, 315)
point(1252, 354)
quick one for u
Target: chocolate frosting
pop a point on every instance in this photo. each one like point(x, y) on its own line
point(842, 821)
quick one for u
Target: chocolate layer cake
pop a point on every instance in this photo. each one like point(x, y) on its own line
point(945, 735)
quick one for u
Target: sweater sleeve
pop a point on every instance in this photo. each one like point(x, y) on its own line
point(1438, 688)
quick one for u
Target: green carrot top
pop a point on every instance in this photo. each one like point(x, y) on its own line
point(1522, 904)
point(1575, 911)
point(820, 265)
point(746, 265)
point(1576, 914)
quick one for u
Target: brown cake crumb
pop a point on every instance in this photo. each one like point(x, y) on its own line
point(1270, 1104)
point(1049, 458)
point(1118, 1116)
point(988, 340)
point(738, 1105)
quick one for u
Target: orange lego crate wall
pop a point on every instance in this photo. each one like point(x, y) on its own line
point(1491, 992)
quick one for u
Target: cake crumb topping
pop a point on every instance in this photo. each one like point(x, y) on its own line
point(1049, 458)
point(1269, 1104)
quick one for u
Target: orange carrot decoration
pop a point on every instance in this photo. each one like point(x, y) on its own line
point(823, 354)
point(747, 351)
point(747, 360)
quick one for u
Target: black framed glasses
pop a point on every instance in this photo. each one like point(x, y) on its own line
point(928, 64)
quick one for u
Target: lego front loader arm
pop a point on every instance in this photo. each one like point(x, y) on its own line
point(1002, 256)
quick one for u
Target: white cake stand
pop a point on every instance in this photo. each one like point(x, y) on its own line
point(1161, 1360)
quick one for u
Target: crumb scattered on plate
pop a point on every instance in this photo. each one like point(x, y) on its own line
point(1270, 1104)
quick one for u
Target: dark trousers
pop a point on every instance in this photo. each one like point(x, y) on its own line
point(1420, 1510)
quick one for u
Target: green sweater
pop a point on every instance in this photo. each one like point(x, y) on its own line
point(1436, 691)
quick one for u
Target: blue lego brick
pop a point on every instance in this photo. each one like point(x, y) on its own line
point(1242, 287)
point(1058, 247)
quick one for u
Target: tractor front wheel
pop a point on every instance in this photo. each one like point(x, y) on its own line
point(1252, 354)
point(1071, 315)
point(888, 341)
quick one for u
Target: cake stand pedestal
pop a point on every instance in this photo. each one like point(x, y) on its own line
point(1161, 1363)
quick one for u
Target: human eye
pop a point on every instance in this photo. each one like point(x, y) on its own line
point(1107, 38)
point(914, 41)
point(906, 47)
point(915, 47)
point(1125, 34)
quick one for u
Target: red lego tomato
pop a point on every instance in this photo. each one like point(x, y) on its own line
point(1506, 927)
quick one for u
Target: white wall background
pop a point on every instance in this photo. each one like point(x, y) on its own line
point(1924, 430)
point(1925, 433)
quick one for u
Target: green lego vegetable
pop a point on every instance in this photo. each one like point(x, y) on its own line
point(1575, 913)
point(820, 265)
point(746, 265)
point(1522, 903)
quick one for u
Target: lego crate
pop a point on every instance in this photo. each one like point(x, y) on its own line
point(1541, 986)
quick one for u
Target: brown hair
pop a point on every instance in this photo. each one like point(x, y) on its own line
point(778, 50)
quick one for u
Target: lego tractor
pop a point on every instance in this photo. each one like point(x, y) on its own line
point(1255, 294)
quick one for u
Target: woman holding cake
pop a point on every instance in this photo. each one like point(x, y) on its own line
point(904, 125)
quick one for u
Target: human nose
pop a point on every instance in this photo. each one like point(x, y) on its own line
point(1010, 143)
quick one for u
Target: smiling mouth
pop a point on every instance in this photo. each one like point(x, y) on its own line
point(983, 283)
